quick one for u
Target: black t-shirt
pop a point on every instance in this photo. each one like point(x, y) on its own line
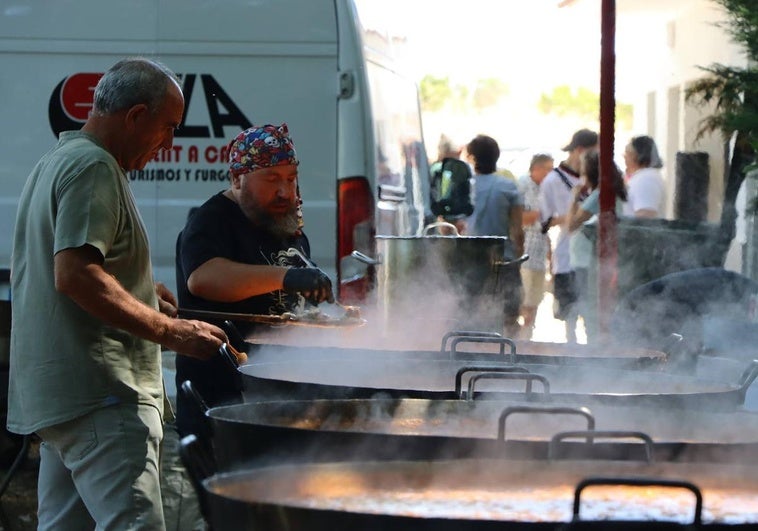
point(219, 228)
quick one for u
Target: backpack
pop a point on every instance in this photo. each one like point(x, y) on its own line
point(450, 189)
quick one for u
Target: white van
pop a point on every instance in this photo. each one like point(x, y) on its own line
point(314, 64)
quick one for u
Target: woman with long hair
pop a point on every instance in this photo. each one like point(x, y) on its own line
point(584, 209)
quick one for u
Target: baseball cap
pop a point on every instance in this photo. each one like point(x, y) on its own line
point(261, 147)
point(582, 138)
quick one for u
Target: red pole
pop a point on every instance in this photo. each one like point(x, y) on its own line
point(607, 247)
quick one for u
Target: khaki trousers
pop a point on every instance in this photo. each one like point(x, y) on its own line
point(101, 471)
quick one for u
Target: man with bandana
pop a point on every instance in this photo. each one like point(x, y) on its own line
point(239, 253)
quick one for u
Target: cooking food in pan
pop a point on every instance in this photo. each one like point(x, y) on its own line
point(496, 490)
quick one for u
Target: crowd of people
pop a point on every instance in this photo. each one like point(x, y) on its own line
point(81, 257)
point(549, 214)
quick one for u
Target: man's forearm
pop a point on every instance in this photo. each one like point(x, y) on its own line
point(81, 278)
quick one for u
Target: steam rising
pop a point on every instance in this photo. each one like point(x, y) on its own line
point(404, 331)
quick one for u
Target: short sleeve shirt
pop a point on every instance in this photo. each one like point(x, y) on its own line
point(536, 244)
point(66, 362)
point(555, 200)
point(219, 229)
point(495, 196)
point(646, 192)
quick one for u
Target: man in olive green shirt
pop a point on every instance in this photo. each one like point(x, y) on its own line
point(88, 320)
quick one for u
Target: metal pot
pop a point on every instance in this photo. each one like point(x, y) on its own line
point(471, 345)
point(483, 494)
point(331, 430)
point(453, 379)
point(461, 279)
point(464, 345)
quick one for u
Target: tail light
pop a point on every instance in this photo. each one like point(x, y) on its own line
point(355, 232)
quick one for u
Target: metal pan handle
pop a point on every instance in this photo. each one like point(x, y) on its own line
point(640, 482)
point(528, 377)
point(502, 341)
point(559, 410)
point(672, 345)
point(366, 259)
point(191, 393)
point(591, 435)
point(747, 378)
point(480, 368)
point(227, 352)
point(465, 333)
point(438, 224)
point(510, 263)
point(205, 428)
point(233, 335)
point(200, 465)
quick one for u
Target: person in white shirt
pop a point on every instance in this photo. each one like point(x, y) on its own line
point(536, 243)
point(644, 180)
point(555, 202)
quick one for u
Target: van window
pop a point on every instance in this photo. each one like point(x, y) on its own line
point(401, 164)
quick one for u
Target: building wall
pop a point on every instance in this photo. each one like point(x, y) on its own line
point(675, 38)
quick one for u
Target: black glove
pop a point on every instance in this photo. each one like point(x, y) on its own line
point(311, 282)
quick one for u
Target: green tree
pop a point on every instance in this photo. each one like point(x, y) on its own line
point(733, 93)
point(488, 92)
point(434, 92)
point(582, 102)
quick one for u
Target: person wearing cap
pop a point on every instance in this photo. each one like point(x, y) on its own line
point(556, 196)
point(238, 253)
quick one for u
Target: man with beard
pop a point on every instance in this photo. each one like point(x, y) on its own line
point(236, 254)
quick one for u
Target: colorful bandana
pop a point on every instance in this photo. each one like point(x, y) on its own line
point(261, 147)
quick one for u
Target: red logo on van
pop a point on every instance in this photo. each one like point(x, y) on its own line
point(71, 101)
point(77, 93)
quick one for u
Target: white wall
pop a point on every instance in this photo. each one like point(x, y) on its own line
point(661, 45)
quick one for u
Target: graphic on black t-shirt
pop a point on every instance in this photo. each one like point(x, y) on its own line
point(281, 301)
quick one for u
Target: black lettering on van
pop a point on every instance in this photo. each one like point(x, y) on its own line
point(184, 130)
point(214, 95)
point(211, 175)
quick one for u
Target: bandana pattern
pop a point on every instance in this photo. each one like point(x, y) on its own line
point(261, 147)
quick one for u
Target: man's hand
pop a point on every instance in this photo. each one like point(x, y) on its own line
point(196, 339)
point(166, 301)
point(311, 282)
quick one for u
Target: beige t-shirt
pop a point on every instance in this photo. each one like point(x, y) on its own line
point(64, 361)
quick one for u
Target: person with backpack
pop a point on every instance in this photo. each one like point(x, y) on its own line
point(450, 186)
